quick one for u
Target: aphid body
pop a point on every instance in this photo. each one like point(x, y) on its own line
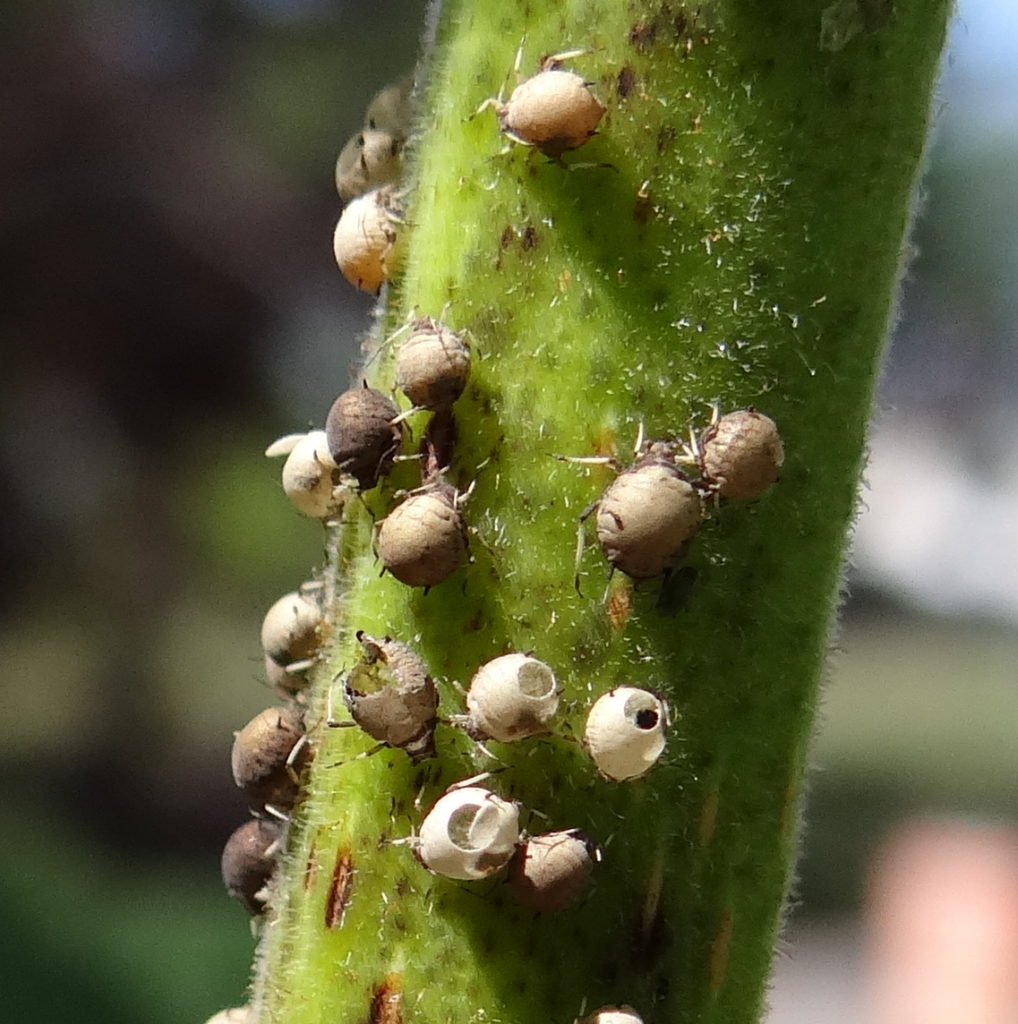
point(392, 698)
point(511, 697)
point(550, 872)
point(422, 541)
point(308, 476)
point(613, 1015)
point(290, 629)
point(266, 758)
point(469, 834)
point(625, 732)
point(249, 858)
point(369, 160)
point(432, 365)
point(391, 108)
point(365, 239)
point(648, 515)
point(362, 434)
point(235, 1015)
point(740, 454)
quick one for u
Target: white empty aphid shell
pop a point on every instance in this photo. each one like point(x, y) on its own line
point(365, 240)
point(469, 834)
point(625, 733)
point(369, 160)
point(549, 872)
point(554, 111)
point(308, 476)
point(290, 629)
point(613, 1015)
point(432, 365)
point(741, 454)
point(237, 1015)
point(646, 517)
point(511, 697)
point(422, 541)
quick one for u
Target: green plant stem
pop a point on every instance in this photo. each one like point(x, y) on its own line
point(732, 235)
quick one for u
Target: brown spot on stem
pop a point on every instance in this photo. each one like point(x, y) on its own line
point(387, 1001)
point(311, 867)
point(708, 817)
point(625, 82)
point(340, 889)
point(530, 238)
point(507, 237)
point(642, 35)
point(719, 948)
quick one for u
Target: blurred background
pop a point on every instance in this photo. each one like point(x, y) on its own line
point(170, 305)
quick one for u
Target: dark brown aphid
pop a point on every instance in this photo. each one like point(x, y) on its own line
point(432, 365)
point(648, 515)
point(392, 698)
point(267, 757)
point(422, 541)
point(248, 860)
point(363, 437)
point(550, 872)
point(740, 454)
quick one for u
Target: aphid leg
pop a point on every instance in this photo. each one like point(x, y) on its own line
point(291, 758)
point(608, 583)
point(554, 60)
point(275, 812)
point(486, 751)
point(331, 722)
point(638, 443)
point(584, 516)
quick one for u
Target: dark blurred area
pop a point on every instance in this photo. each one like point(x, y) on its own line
point(170, 305)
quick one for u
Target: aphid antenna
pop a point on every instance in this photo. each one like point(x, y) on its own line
point(284, 445)
point(473, 780)
point(551, 61)
point(484, 750)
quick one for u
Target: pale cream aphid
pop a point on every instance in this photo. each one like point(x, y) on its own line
point(423, 540)
point(235, 1015)
point(613, 1015)
point(469, 834)
point(625, 732)
point(248, 861)
point(550, 872)
point(391, 109)
point(739, 454)
point(509, 698)
point(366, 239)
point(554, 111)
point(267, 757)
point(310, 478)
point(369, 160)
point(290, 628)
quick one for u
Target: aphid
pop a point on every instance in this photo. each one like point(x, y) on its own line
point(554, 111)
point(392, 698)
point(613, 1015)
point(469, 834)
point(267, 757)
point(550, 872)
point(366, 238)
point(287, 680)
point(511, 697)
point(391, 108)
point(625, 732)
point(249, 858)
point(362, 434)
point(369, 160)
point(236, 1015)
point(432, 365)
point(290, 629)
point(740, 454)
point(422, 541)
point(647, 517)
point(310, 477)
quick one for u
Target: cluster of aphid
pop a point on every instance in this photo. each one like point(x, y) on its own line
point(645, 521)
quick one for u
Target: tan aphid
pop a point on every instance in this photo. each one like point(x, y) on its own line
point(290, 629)
point(362, 434)
point(392, 698)
point(263, 761)
point(550, 872)
point(511, 697)
point(422, 541)
point(366, 238)
point(554, 111)
point(369, 160)
point(741, 454)
point(625, 732)
point(391, 108)
point(648, 515)
point(432, 365)
point(248, 861)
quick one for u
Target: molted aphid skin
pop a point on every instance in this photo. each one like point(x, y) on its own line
point(290, 629)
point(391, 108)
point(422, 540)
point(613, 1015)
point(237, 1015)
point(392, 698)
point(369, 160)
point(308, 477)
point(249, 858)
point(625, 733)
point(511, 697)
point(261, 754)
point(648, 515)
point(362, 437)
point(365, 239)
point(469, 834)
point(554, 111)
point(432, 365)
point(741, 454)
point(550, 872)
